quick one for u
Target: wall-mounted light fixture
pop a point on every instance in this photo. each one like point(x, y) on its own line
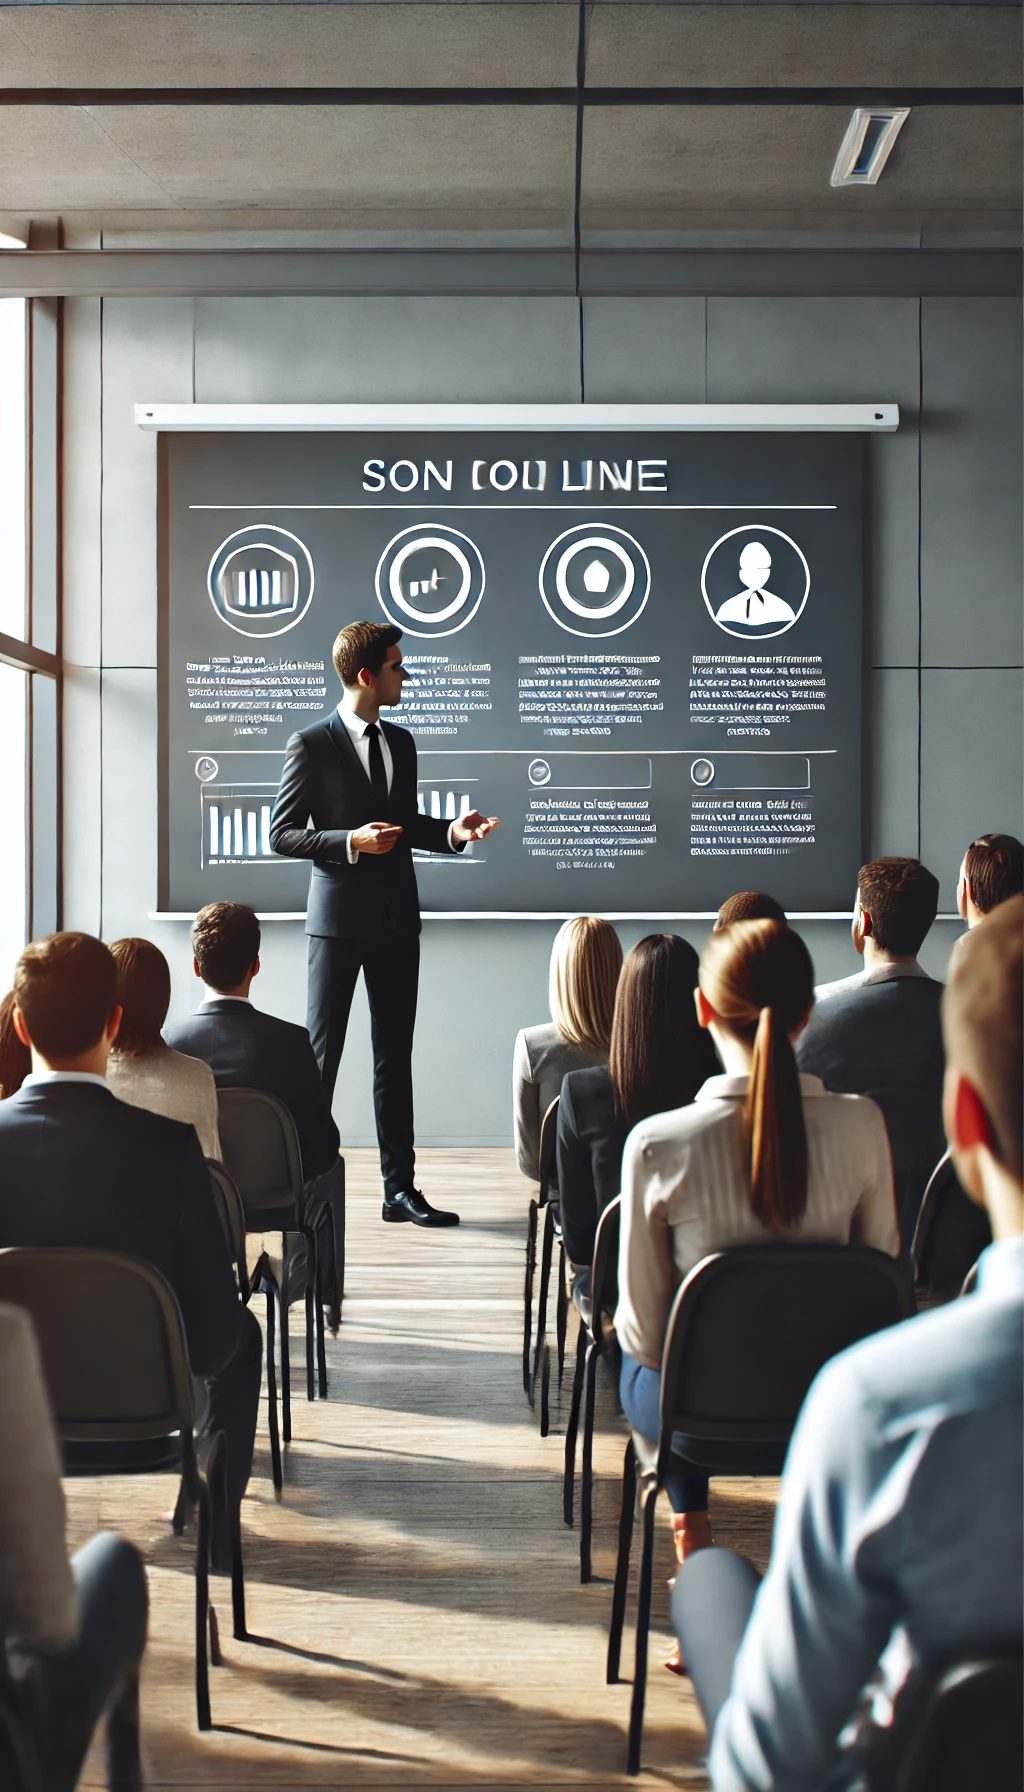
point(867, 145)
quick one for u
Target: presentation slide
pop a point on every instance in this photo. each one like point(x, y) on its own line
point(642, 651)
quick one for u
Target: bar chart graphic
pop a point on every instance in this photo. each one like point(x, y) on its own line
point(236, 824)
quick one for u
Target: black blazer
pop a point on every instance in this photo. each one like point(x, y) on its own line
point(324, 795)
point(80, 1168)
point(882, 1035)
point(247, 1049)
point(590, 1141)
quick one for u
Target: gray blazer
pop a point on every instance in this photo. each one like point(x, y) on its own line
point(540, 1061)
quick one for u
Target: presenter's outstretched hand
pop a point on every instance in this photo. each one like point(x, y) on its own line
point(474, 826)
point(375, 837)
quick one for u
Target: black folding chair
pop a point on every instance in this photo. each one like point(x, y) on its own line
point(545, 1193)
point(548, 1200)
point(114, 1355)
point(593, 1341)
point(749, 1329)
point(232, 1218)
point(971, 1732)
point(952, 1231)
point(917, 1139)
point(262, 1156)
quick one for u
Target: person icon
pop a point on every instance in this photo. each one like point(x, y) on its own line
point(754, 606)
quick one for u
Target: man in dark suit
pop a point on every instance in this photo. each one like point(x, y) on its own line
point(80, 1168)
point(880, 1032)
point(347, 802)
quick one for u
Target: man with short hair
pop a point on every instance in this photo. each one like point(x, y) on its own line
point(80, 1168)
point(748, 905)
point(347, 802)
point(897, 1546)
point(992, 870)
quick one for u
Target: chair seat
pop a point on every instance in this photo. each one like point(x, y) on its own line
point(137, 1456)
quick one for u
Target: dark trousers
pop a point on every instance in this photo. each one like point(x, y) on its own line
point(234, 1406)
point(390, 965)
point(640, 1394)
point(64, 1695)
point(711, 1605)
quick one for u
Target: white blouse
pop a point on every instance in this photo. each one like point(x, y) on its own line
point(686, 1193)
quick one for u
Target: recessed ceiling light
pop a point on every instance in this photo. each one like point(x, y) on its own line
point(12, 242)
point(867, 145)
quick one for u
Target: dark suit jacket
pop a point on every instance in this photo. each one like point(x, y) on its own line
point(80, 1168)
point(882, 1035)
point(247, 1049)
point(590, 1142)
point(324, 795)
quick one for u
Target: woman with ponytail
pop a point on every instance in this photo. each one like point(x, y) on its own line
point(762, 1154)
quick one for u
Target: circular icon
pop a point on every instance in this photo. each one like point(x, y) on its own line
point(430, 579)
point(702, 771)
point(206, 769)
point(260, 580)
point(595, 580)
point(755, 582)
point(539, 772)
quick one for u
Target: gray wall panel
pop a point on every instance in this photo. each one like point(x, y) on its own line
point(83, 797)
point(830, 350)
point(81, 474)
point(129, 772)
point(648, 350)
point(323, 350)
point(892, 764)
point(971, 480)
point(971, 778)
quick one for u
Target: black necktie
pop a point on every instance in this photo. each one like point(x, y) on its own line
point(378, 775)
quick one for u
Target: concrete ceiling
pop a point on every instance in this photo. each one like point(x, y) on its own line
point(501, 173)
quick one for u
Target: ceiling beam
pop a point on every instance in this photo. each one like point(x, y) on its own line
point(511, 96)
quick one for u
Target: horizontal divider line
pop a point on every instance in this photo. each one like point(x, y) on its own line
point(865, 95)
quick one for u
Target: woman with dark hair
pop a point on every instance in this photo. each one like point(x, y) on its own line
point(15, 1058)
point(141, 1069)
point(658, 1059)
point(763, 1154)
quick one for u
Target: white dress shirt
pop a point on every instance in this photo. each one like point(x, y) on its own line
point(882, 973)
point(217, 995)
point(64, 1076)
point(358, 731)
point(686, 1193)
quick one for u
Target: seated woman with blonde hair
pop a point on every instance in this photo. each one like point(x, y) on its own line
point(763, 1154)
point(586, 959)
point(141, 1069)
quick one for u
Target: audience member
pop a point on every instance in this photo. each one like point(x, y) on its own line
point(246, 1048)
point(897, 1546)
point(748, 905)
point(143, 1070)
point(79, 1168)
point(991, 872)
point(762, 1154)
point(586, 959)
point(883, 1033)
point(659, 1058)
point(73, 1632)
point(15, 1058)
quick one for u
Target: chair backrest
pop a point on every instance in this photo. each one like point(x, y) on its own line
point(971, 1732)
point(546, 1157)
point(917, 1139)
point(752, 1325)
point(604, 1277)
point(231, 1214)
point(952, 1231)
point(111, 1338)
point(260, 1148)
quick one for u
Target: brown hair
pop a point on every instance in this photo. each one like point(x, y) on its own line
point(994, 868)
point(65, 986)
point(902, 897)
point(145, 983)
point(226, 943)
point(983, 1021)
point(748, 905)
point(363, 644)
point(15, 1058)
point(586, 959)
point(659, 1055)
point(758, 978)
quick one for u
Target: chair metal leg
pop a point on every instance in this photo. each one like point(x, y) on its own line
point(124, 1766)
point(318, 1307)
point(531, 1265)
point(561, 1311)
point(545, 1392)
point(648, 1502)
point(621, 1587)
point(540, 1343)
point(571, 1429)
point(275, 1440)
point(587, 1474)
point(203, 1719)
point(216, 1658)
point(286, 1364)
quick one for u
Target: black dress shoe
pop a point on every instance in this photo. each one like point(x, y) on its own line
point(410, 1205)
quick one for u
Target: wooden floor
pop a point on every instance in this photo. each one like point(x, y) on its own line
point(415, 1602)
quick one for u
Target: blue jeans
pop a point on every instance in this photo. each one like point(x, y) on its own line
point(640, 1394)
